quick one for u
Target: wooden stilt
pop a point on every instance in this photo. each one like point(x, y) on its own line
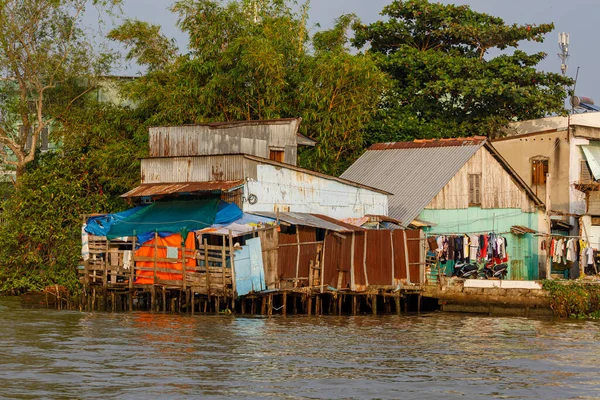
point(113, 303)
point(164, 299)
point(397, 300)
point(152, 298)
point(354, 304)
point(295, 300)
point(217, 305)
point(340, 302)
point(419, 303)
point(405, 301)
point(263, 307)
point(243, 305)
point(284, 308)
point(173, 306)
point(191, 294)
point(270, 305)
point(374, 304)
point(253, 307)
point(309, 306)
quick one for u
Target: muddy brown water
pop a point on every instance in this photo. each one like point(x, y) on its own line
point(67, 354)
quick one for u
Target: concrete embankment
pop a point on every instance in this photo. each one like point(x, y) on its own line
point(522, 298)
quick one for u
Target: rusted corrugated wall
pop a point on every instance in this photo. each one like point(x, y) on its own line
point(379, 257)
point(338, 260)
point(288, 254)
point(359, 269)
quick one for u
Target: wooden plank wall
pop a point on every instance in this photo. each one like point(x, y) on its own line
point(498, 189)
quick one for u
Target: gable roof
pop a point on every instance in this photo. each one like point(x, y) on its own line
point(415, 172)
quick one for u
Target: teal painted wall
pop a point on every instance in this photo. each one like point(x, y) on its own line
point(523, 251)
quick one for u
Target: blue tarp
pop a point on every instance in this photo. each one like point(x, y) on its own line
point(100, 226)
point(177, 216)
point(227, 213)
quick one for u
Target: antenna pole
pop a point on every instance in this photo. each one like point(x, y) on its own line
point(563, 45)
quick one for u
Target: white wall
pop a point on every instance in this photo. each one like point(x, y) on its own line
point(280, 188)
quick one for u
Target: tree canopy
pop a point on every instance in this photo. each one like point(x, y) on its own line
point(446, 82)
point(47, 62)
point(255, 60)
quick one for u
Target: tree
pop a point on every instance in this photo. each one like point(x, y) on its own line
point(252, 60)
point(43, 50)
point(445, 83)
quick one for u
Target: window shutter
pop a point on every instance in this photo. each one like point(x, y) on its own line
point(586, 174)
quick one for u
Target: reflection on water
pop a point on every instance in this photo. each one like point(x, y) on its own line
point(63, 354)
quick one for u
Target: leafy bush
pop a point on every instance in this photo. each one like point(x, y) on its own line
point(574, 299)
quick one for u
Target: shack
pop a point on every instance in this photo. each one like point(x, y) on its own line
point(463, 186)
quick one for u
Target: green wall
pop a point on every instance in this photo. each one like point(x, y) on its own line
point(522, 249)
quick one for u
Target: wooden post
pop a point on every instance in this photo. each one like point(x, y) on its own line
point(263, 307)
point(397, 300)
point(295, 300)
point(365, 261)
point(374, 304)
point(340, 302)
point(419, 303)
point(243, 305)
point(104, 278)
point(309, 306)
point(155, 254)
point(406, 256)
point(297, 256)
point(323, 262)
point(152, 298)
point(132, 272)
point(113, 302)
point(393, 266)
point(191, 294)
point(217, 305)
point(183, 266)
point(270, 305)
point(223, 269)
point(352, 281)
point(284, 308)
point(354, 304)
point(206, 266)
point(232, 262)
point(164, 299)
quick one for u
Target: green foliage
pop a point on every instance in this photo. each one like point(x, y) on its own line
point(40, 241)
point(444, 81)
point(43, 48)
point(251, 60)
point(574, 299)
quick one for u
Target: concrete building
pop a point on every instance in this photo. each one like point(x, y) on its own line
point(568, 149)
point(461, 186)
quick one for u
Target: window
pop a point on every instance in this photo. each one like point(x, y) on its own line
point(586, 173)
point(276, 155)
point(539, 169)
point(474, 189)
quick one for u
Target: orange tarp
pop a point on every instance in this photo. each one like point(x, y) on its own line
point(147, 250)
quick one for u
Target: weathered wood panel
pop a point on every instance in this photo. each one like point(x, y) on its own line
point(498, 189)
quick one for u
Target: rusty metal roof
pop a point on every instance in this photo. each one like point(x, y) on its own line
point(157, 189)
point(429, 143)
point(414, 172)
point(312, 220)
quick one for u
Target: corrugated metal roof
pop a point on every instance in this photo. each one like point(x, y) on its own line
point(427, 143)
point(414, 172)
point(312, 220)
point(156, 189)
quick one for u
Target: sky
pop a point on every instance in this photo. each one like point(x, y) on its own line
point(577, 17)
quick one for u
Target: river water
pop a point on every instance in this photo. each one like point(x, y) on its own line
point(67, 354)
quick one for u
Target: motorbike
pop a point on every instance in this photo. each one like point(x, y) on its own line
point(495, 271)
point(466, 270)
